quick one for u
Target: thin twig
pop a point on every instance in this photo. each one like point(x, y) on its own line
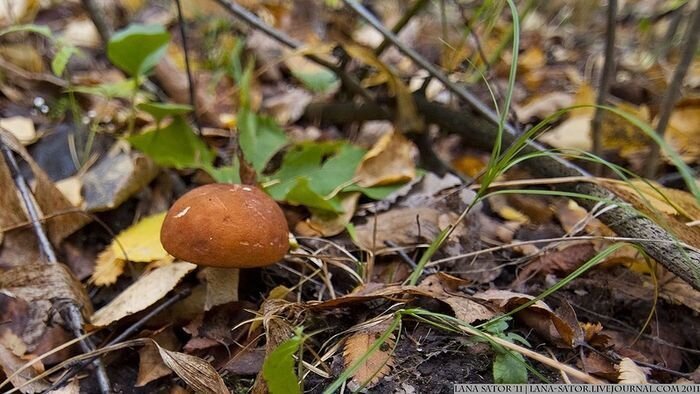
point(177, 296)
point(460, 91)
point(249, 18)
point(71, 313)
point(405, 18)
point(25, 195)
point(606, 77)
point(688, 46)
point(188, 70)
point(97, 16)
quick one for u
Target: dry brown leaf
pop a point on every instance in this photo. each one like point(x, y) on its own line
point(539, 316)
point(37, 286)
point(151, 365)
point(543, 106)
point(562, 260)
point(143, 293)
point(376, 365)
point(9, 363)
point(631, 373)
point(24, 56)
point(404, 226)
point(389, 161)
point(49, 199)
point(197, 373)
point(444, 288)
point(328, 225)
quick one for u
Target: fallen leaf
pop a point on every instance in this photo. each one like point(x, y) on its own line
point(197, 373)
point(325, 224)
point(151, 365)
point(21, 127)
point(407, 114)
point(11, 363)
point(464, 308)
point(115, 178)
point(138, 243)
point(374, 367)
point(631, 373)
point(539, 316)
point(146, 291)
point(391, 160)
point(81, 33)
point(562, 260)
point(540, 107)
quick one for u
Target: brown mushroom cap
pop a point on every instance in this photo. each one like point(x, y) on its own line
point(225, 225)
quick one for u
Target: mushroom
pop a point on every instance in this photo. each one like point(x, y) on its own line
point(226, 226)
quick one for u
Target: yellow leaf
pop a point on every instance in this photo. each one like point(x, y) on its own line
point(138, 243)
point(141, 242)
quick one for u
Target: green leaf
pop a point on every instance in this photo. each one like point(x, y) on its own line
point(302, 194)
point(260, 138)
point(175, 145)
point(375, 192)
point(228, 174)
point(278, 368)
point(305, 179)
point(122, 89)
point(138, 48)
point(32, 28)
point(161, 110)
point(303, 159)
point(509, 368)
point(59, 62)
point(319, 81)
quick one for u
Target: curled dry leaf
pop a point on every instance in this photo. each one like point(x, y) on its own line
point(539, 316)
point(444, 288)
point(631, 373)
point(375, 365)
point(151, 365)
point(322, 224)
point(143, 293)
point(389, 161)
point(197, 373)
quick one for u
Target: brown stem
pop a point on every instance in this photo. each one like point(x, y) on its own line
point(606, 77)
point(690, 42)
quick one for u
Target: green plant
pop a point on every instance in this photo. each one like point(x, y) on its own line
point(278, 367)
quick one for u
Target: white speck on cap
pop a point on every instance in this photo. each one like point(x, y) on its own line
point(247, 189)
point(183, 212)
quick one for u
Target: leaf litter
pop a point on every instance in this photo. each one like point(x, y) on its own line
point(359, 198)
